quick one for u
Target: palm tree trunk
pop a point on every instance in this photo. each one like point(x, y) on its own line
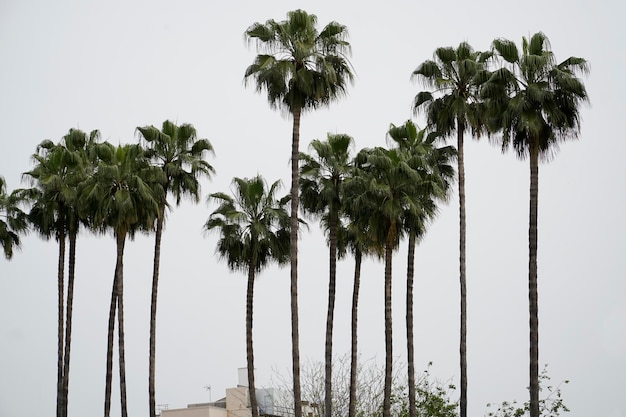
point(68, 320)
point(60, 308)
point(110, 336)
point(330, 314)
point(249, 347)
point(153, 310)
point(462, 278)
point(295, 338)
point(532, 281)
point(388, 322)
point(354, 360)
point(410, 271)
point(120, 323)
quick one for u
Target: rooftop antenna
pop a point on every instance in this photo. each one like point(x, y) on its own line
point(208, 388)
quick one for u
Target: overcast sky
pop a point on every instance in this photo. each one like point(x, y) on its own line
point(117, 65)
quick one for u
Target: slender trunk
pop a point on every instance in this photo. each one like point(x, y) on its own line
point(120, 322)
point(410, 271)
point(153, 310)
point(354, 357)
point(110, 337)
point(462, 278)
point(388, 321)
point(532, 281)
point(295, 338)
point(249, 347)
point(330, 315)
point(60, 309)
point(68, 320)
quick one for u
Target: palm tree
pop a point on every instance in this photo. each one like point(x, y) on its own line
point(123, 195)
point(254, 231)
point(322, 177)
point(388, 192)
point(534, 103)
point(59, 170)
point(12, 220)
point(354, 237)
point(82, 147)
point(301, 69)
point(178, 152)
point(432, 163)
point(455, 76)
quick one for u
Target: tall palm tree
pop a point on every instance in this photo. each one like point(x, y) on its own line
point(388, 192)
point(534, 102)
point(322, 177)
point(453, 105)
point(58, 172)
point(81, 146)
point(178, 152)
point(301, 69)
point(123, 195)
point(432, 163)
point(12, 220)
point(354, 237)
point(254, 231)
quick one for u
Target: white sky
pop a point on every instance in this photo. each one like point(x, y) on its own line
point(120, 64)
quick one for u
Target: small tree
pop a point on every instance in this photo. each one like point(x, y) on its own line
point(551, 405)
point(433, 397)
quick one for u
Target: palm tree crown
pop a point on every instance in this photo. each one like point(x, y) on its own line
point(124, 192)
point(299, 67)
point(532, 100)
point(455, 75)
point(180, 154)
point(253, 225)
point(12, 220)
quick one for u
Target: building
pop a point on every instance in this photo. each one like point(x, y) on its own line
point(236, 403)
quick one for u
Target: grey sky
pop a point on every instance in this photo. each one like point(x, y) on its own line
point(116, 65)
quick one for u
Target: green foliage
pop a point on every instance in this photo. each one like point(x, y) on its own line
point(299, 67)
point(432, 398)
point(12, 220)
point(180, 155)
point(454, 76)
point(124, 192)
point(253, 224)
point(551, 405)
point(531, 101)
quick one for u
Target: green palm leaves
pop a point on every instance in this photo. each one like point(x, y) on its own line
point(180, 154)
point(253, 224)
point(455, 76)
point(12, 220)
point(533, 101)
point(299, 67)
point(125, 191)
